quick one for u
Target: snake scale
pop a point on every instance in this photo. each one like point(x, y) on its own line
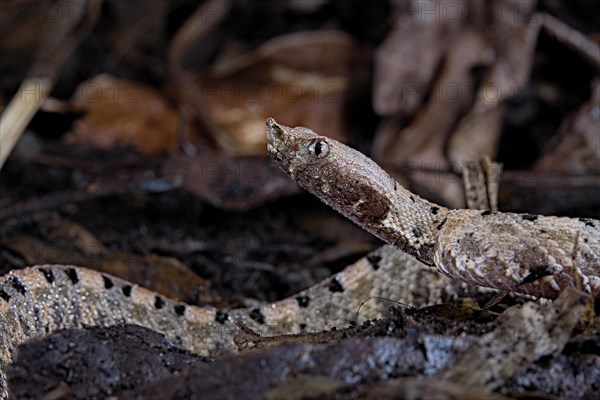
point(523, 253)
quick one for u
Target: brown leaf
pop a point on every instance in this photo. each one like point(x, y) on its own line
point(423, 142)
point(406, 62)
point(478, 133)
point(121, 113)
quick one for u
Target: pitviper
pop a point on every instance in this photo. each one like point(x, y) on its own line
point(529, 254)
point(38, 300)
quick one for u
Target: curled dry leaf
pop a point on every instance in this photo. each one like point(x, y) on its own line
point(303, 78)
point(406, 62)
point(121, 113)
point(423, 142)
point(441, 136)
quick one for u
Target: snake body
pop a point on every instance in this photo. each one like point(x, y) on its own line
point(529, 254)
point(38, 300)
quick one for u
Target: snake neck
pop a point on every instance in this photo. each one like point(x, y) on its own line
point(412, 223)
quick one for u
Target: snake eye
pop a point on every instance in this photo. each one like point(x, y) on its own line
point(319, 148)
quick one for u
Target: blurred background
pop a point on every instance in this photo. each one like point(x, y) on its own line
point(133, 132)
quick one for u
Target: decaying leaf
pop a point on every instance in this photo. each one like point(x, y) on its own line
point(406, 62)
point(478, 133)
point(120, 113)
point(524, 336)
point(447, 133)
point(423, 142)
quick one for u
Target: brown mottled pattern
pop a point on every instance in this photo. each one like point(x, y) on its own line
point(524, 253)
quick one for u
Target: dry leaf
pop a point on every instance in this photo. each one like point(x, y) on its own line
point(121, 113)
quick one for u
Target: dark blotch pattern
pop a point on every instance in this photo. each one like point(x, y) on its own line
point(434, 210)
point(374, 260)
point(180, 309)
point(372, 208)
point(486, 212)
point(72, 275)
point(529, 217)
point(587, 221)
point(107, 282)
point(18, 285)
point(335, 286)
point(256, 315)
point(126, 290)
point(221, 317)
point(4, 296)
point(439, 227)
point(158, 303)
point(303, 301)
point(537, 273)
point(48, 274)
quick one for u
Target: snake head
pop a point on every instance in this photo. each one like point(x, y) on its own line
point(340, 176)
point(296, 150)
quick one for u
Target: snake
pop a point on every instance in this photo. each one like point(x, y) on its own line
point(38, 300)
point(522, 253)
